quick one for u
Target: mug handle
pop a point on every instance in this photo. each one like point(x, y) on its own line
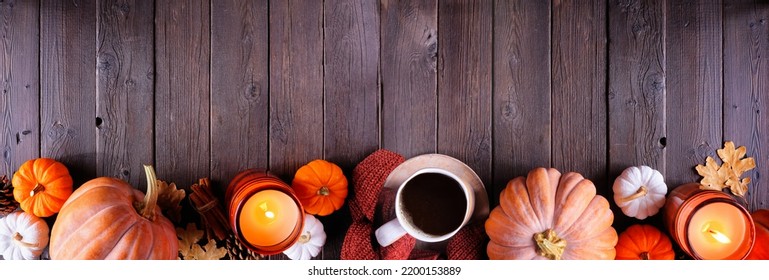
point(389, 233)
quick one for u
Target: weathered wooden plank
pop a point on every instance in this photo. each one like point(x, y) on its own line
point(409, 56)
point(239, 86)
point(636, 91)
point(296, 86)
point(20, 70)
point(351, 93)
point(125, 89)
point(746, 84)
point(579, 90)
point(522, 90)
point(464, 83)
point(68, 85)
point(636, 85)
point(182, 57)
point(693, 87)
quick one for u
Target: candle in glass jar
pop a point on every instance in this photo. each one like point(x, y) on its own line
point(717, 230)
point(268, 217)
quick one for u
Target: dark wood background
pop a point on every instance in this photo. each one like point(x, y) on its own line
point(208, 88)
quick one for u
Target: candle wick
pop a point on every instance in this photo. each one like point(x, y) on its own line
point(717, 235)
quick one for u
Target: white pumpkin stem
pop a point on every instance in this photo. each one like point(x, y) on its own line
point(641, 192)
point(305, 237)
point(150, 203)
point(19, 240)
point(550, 245)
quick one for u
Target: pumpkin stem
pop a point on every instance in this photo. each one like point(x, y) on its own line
point(642, 191)
point(644, 255)
point(305, 237)
point(18, 239)
point(38, 188)
point(550, 245)
point(324, 191)
point(147, 207)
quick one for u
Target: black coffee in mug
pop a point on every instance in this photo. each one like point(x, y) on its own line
point(434, 203)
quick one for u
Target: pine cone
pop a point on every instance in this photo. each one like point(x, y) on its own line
point(236, 250)
point(7, 203)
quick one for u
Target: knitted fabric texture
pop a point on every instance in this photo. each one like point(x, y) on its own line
point(359, 243)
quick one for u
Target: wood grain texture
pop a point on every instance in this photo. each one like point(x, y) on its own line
point(351, 94)
point(636, 84)
point(20, 96)
point(296, 86)
point(636, 91)
point(68, 85)
point(522, 87)
point(693, 87)
point(125, 89)
point(182, 93)
point(579, 90)
point(239, 88)
point(746, 84)
point(409, 57)
point(464, 83)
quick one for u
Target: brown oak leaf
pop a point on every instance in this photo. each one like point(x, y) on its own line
point(727, 175)
point(207, 252)
point(169, 199)
point(713, 176)
point(187, 238)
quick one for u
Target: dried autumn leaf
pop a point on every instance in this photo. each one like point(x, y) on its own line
point(207, 252)
point(169, 199)
point(735, 158)
point(187, 238)
point(728, 174)
point(714, 177)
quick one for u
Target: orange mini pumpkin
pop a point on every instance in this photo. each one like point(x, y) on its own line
point(548, 216)
point(320, 186)
point(761, 247)
point(41, 186)
point(644, 242)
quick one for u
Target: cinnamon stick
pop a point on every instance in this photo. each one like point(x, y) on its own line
point(210, 210)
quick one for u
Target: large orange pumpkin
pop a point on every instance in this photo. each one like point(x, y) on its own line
point(320, 186)
point(106, 218)
point(644, 242)
point(41, 186)
point(549, 216)
point(761, 246)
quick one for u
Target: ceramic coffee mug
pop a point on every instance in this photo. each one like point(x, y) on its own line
point(432, 205)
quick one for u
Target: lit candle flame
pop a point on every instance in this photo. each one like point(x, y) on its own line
point(717, 235)
point(267, 213)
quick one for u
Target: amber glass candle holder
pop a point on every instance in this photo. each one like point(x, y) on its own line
point(681, 207)
point(245, 185)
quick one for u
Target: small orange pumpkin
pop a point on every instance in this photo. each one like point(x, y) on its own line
point(320, 186)
point(644, 242)
point(761, 247)
point(41, 186)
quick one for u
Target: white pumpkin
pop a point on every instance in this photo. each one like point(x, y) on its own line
point(23, 236)
point(310, 242)
point(640, 191)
